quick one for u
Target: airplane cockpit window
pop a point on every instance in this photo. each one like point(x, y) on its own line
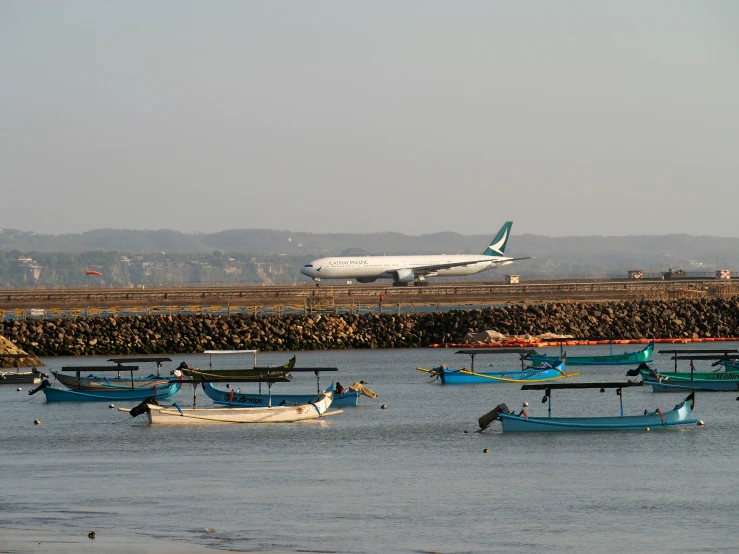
point(308, 265)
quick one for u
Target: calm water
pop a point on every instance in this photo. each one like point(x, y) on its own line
point(405, 479)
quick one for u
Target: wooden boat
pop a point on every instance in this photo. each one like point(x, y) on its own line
point(547, 372)
point(725, 378)
point(709, 381)
point(341, 396)
point(19, 377)
point(95, 382)
point(523, 423)
point(643, 355)
point(174, 415)
point(244, 399)
point(257, 372)
point(107, 393)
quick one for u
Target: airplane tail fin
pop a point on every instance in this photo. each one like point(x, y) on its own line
point(497, 245)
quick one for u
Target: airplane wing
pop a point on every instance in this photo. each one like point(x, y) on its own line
point(435, 267)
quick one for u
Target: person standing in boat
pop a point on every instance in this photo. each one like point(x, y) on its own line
point(339, 389)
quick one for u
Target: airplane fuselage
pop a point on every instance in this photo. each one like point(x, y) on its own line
point(385, 267)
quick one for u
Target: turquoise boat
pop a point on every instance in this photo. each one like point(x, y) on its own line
point(709, 381)
point(107, 393)
point(249, 400)
point(527, 375)
point(523, 423)
point(626, 358)
point(546, 372)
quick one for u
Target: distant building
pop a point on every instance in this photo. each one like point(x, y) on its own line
point(512, 279)
point(636, 274)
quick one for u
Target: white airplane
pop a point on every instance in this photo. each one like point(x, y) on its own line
point(407, 269)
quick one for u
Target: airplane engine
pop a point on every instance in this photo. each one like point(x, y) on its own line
point(403, 276)
point(366, 279)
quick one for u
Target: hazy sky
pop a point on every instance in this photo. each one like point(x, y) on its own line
point(570, 118)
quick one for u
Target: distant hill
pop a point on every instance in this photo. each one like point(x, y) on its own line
point(562, 256)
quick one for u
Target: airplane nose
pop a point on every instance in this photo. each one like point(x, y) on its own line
point(304, 271)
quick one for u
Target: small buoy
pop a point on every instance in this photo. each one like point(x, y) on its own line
point(19, 389)
point(208, 530)
point(700, 422)
point(37, 421)
point(111, 406)
point(465, 430)
point(486, 451)
point(525, 404)
point(383, 407)
point(91, 534)
point(648, 429)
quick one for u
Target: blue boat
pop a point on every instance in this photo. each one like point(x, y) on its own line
point(548, 371)
point(249, 400)
point(107, 393)
point(626, 358)
point(523, 423)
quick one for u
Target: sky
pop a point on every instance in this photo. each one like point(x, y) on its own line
point(567, 117)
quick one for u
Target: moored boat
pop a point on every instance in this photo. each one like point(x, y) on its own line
point(95, 382)
point(20, 377)
point(174, 415)
point(656, 420)
point(643, 355)
point(547, 371)
point(107, 393)
point(708, 381)
point(347, 397)
point(255, 372)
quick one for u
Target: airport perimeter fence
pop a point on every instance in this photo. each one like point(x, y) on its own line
point(279, 310)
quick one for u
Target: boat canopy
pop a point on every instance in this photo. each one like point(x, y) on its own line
point(503, 350)
point(96, 368)
point(472, 352)
point(679, 351)
point(230, 351)
point(139, 360)
point(607, 385)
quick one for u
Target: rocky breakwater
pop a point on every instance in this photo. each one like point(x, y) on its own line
point(158, 334)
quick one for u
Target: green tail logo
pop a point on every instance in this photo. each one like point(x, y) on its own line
point(497, 245)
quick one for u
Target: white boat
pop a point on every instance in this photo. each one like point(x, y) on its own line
point(174, 415)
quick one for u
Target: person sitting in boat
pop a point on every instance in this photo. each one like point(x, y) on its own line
point(339, 389)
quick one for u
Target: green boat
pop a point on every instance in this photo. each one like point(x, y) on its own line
point(626, 358)
point(722, 380)
point(256, 372)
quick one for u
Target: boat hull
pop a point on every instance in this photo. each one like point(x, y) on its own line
point(108, 394)
point(246, 400)
point(160, 415)
point(684, 386)
point(14, 378)
point(626, 358)
point(520, 424)
point(465, 377)
point(700, 380)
